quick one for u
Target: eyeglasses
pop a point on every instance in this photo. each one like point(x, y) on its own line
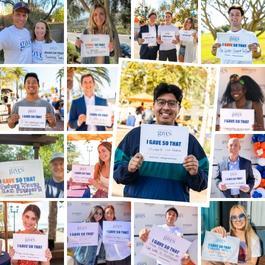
point(98, 213)
point(171, 103)
point(239, 218)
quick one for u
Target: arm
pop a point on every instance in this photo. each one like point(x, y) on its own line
point(143, 234)
point(256, 50)
point(259, 121)
point(13, 118)
point(48, 255)
point(250, 177)
point(140, 40)
point(75, 121)
point(214, 48)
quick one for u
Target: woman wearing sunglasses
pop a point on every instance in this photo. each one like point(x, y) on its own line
point(239, 226)
point(88, 255)
point(242, 92)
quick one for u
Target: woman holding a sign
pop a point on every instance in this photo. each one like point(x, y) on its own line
point(30, 218)
point(249, 248)
point(88, 255)
point(91, 47)
point(244, 93)
point(188, 42)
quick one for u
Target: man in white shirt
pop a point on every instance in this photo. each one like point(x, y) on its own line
point(236, 15)
point(15, 40)
point(168, 37)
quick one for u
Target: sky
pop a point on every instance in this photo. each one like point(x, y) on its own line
point(152, 3)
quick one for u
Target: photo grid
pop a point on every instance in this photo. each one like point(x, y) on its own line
point(132, 132)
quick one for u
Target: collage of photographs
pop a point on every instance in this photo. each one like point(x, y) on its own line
point(132, 132)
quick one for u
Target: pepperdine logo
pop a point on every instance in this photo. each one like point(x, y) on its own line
point(16, 171)
point(234, 38)
point(164, 133)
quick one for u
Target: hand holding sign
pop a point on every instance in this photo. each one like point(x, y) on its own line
point(81, 119)
point(219, 230)
point(143, 234)
point(222, 186)
point(191, 164)
point(245, 188)
point(13, 120)
point(135, 162)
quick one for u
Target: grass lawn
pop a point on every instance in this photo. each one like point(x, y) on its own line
point(208, 41)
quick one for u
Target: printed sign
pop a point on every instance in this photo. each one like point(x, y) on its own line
point(32, 117)
point(99, 115)
point(149, 38)
point(218, 248)
point(236, 119)
point(164, 143)
point(166, 247)
point(81, 173)
point(82, 234)
point(30, 247)
point(234, 178)
point(186, 35)
point(22, 179)
point(168, 36)
point(95, 45)
point(116, 232)
point(53, 53)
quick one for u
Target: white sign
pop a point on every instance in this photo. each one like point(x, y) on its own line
point(165, 246)
point(234, 47)
point(234, 178)
point(99, 115)
point(168, 36)
point(116, 232)
point(82, 234)
point(186, 35)
point(82, 173)
point(32, 117)
point(53, 53)
point(30, 247)
point(149, 38)
point(22, 179)
point(236, 119)
point(95, 45)
point(164, 143)
point(218, 248)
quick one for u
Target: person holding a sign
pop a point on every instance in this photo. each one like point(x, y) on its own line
point(240, 227)
point(242, 92)
point(147, 38)
point(98, 24)
point(15, 40)
point(188, 42)
point(32, 100)
point(235, 162)
point(160, 180)
point(88, 255)
point(168, 37)
point(55, 185)
point(116, 254)
point(41, 35)
point(30, 218)
point(80, 106)
point(236, 16)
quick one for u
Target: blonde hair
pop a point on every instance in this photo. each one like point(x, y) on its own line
point(248, 230)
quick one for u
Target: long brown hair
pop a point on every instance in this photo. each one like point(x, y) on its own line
point(113, 210)
point(47, 36)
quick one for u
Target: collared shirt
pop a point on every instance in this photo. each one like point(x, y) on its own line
point(234, 165)
point(90, 102)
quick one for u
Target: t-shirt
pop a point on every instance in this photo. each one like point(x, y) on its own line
point(35, 103)
point(167, 28)
point(251, 39)
point(54, 189)
point(37, 51)
point(16, 44)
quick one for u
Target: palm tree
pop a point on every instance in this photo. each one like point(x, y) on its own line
point(17, 73)
point(60, 75)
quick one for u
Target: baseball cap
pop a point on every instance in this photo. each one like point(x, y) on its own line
point(58, 155)
point(21, 5)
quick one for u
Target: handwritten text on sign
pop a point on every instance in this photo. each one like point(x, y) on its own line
point(218, 248)
point(95, 45)
point(53, 53)
point(234, 178)
point(116, 232)
point(81, 173)
point(32, 117)
point(30, 247)
point(165, 247)
point(22, 179)
point(236, 119)
point(82, 234)
point(164, 143)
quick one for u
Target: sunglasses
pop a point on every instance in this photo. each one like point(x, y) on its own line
point(239, 218)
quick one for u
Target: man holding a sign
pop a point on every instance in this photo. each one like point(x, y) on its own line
point(31, 108)
point(235, 177)
point(238, 39)
point(178, 162)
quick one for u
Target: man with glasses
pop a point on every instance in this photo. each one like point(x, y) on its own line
point(235, 162)
point(155, 180)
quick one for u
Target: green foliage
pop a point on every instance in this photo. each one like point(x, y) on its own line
point(58, 15)
point(72, 154)
point(72, 54)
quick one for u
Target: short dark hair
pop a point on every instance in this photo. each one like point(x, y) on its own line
point(34, 75)
point(238, 8)
point(151, 14)
point(173, 209)
point(164, 88)
point(87, 75)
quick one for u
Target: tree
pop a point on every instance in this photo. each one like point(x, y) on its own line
point(17, 73)
point(72, 154)
point(59, 76)
point(58, 14)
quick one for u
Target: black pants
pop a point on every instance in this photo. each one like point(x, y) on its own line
point(171, 55)
point(150, 53)
point(126, 261)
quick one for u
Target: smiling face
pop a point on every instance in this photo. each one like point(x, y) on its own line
point(20, 17)
point(104, 153)
point(98, 215)
point(57, 168)
point(40, 31)
point(168, 18)
point(88, 86)
point(29, 221)
point(235, 18)
point(99, 16)
point(152, 19)
point(238, 219)
point(234, 147)
point(238, 91)
point(31, 86)
point(171, 218)
point(109, 214)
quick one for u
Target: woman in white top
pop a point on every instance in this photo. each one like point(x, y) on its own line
point(188, 42)
point(40, 35)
